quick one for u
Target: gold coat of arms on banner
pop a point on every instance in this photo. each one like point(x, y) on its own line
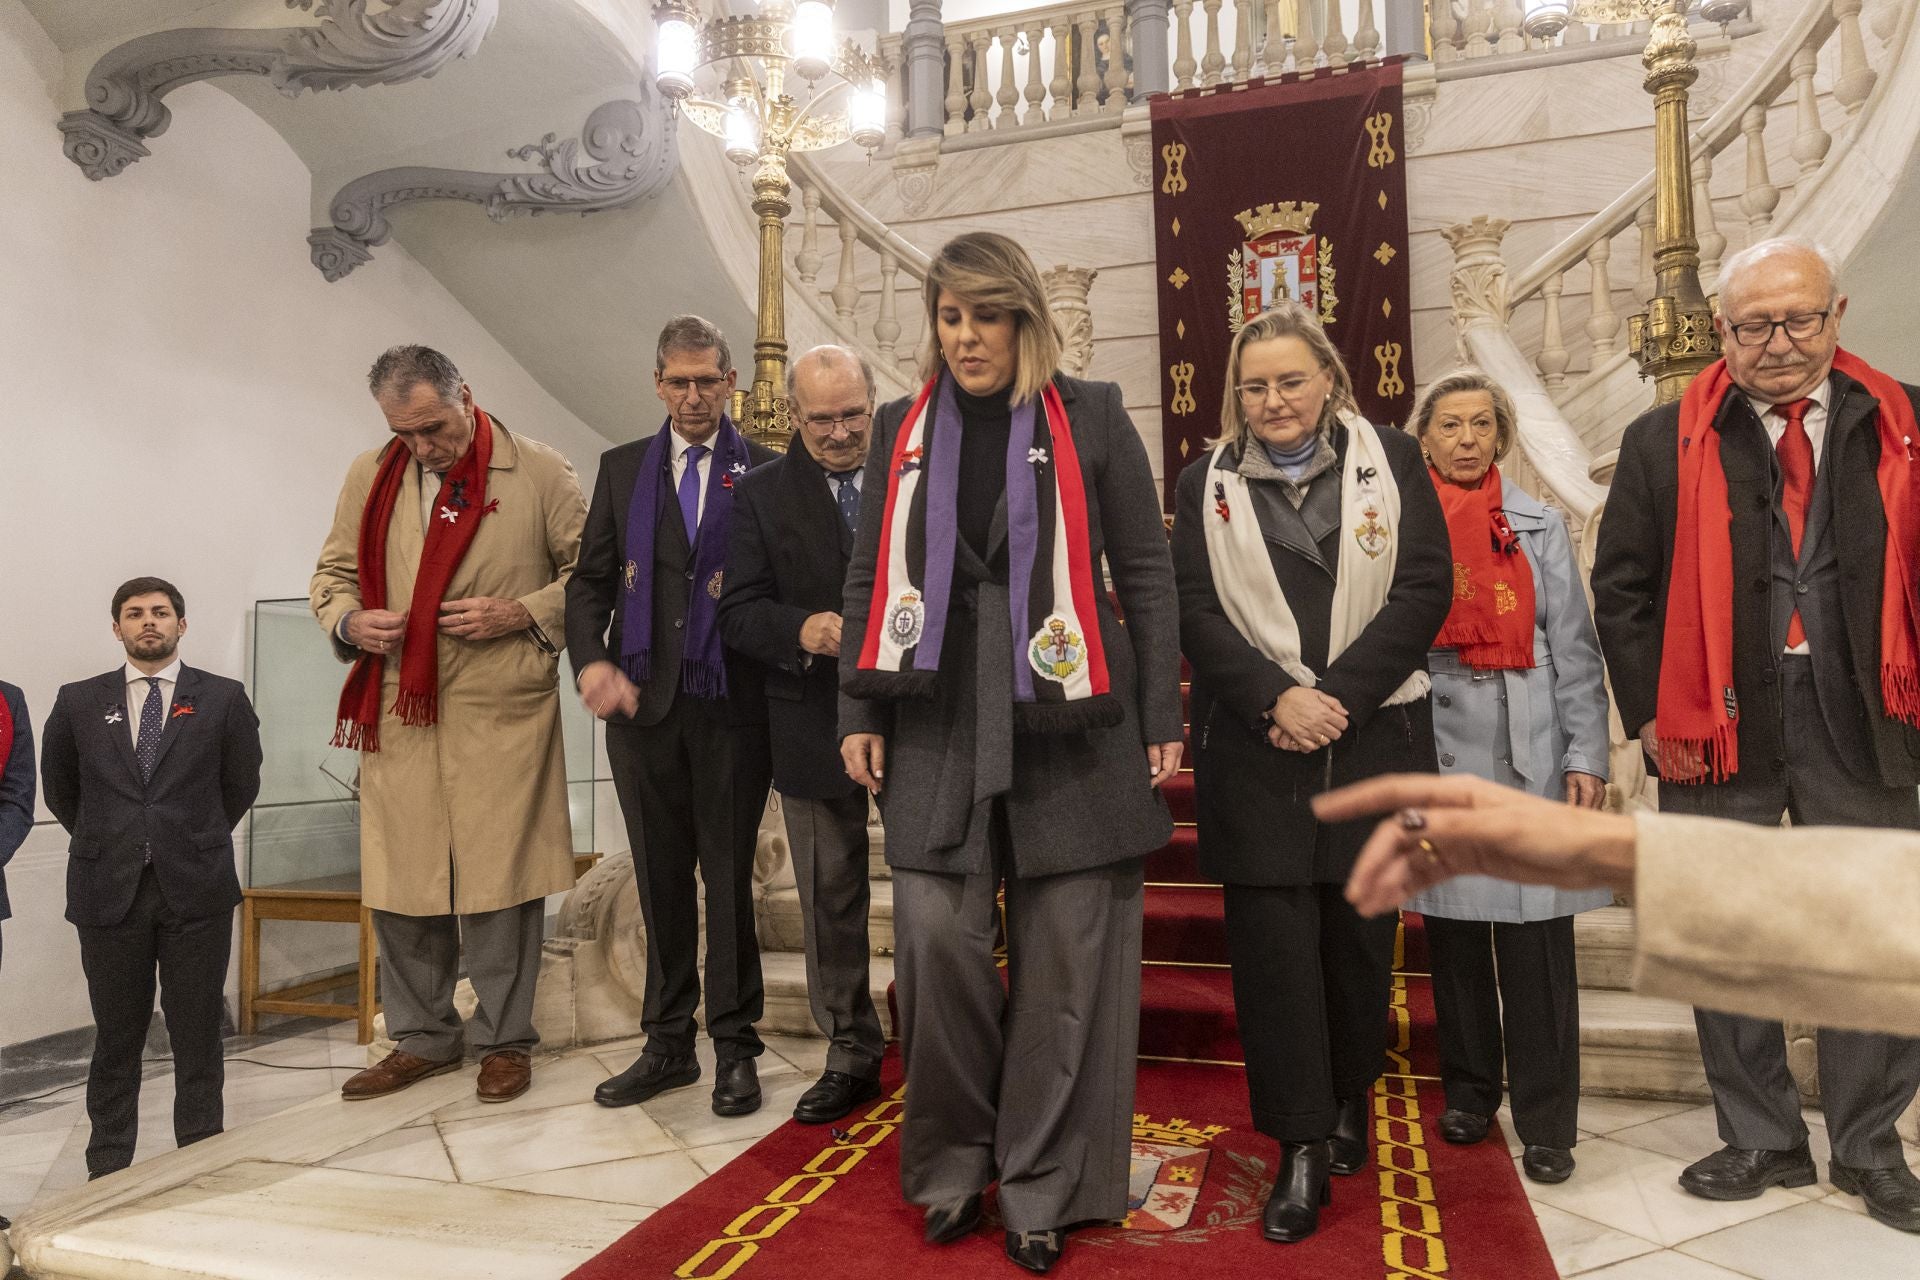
point(1280, 259)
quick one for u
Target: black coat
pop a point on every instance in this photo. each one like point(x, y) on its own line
point(786, 561)
point(593, 592)
point(16, 788)
point(205, 777)
point(1255, 823)
point(1635, 560)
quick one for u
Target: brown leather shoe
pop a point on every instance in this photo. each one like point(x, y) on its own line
point(393, 1073)
point(504, 1076)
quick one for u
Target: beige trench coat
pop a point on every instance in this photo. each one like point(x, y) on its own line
point(470, 814)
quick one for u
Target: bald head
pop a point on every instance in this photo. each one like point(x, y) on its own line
point(830, 395)
point(1779, 322)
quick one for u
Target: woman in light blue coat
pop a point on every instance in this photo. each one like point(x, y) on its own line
point(1524, 706)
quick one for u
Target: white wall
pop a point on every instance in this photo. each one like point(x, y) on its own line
point(182, 395)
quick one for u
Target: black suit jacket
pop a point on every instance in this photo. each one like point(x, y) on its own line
point(1256, 823)
point(1635, 560)
point(16, 788)
point(204, 779)
point(787, 560)
point(593, 592)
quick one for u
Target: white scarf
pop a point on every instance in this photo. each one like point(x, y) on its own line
point(1243, 575)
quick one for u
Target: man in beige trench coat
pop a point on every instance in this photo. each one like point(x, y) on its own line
point(455, 635)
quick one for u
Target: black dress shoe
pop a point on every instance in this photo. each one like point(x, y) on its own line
point(651, 1073)
point(832, 1096)
point(1349, 1140)
point(1892, 1195)
point(1736, 1173)
point(952, 1220)
point(1463, 1128)
point(1547, 1164)
point(1036, 1250)
point(1302, 1187)
point(736, 1088)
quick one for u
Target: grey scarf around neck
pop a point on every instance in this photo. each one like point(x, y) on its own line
point(1255, 465)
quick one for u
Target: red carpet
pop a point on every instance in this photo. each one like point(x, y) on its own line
point(807, 1202)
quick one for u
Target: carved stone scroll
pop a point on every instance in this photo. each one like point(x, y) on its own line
point(630, 154)
point(408, 40)
point(1067, 298)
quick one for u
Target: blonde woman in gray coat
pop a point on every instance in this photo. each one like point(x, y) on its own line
point(1518, 699)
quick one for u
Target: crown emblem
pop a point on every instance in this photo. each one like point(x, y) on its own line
point(1178, 1132)
point(1294, 216)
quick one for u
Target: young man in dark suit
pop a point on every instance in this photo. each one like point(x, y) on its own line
point(786, 565)
point(149, 767)
point(686, 722)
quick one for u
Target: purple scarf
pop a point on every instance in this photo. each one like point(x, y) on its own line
point(703, 667)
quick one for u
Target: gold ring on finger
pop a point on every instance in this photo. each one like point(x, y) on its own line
point(1426, 847)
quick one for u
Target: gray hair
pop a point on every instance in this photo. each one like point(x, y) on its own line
point(1760, 250)
point(691, 333)
point(401, 369)
point(830, 353)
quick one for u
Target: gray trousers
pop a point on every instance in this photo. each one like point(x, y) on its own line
point(1032, 1083)
point(830, 849)
point(420, 963)
point(1866, 1078)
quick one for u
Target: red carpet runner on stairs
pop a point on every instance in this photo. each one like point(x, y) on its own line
point(820, 1203)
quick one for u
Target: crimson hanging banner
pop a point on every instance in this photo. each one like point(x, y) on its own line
point(1295, 188)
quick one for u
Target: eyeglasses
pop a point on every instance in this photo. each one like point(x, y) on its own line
point(1758, 333)
point(1451, 430)
point(1292, 390)
point(680, 386)
point(820, 424)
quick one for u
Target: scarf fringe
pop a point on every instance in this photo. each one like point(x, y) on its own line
point(417, 707)
point(638, 666)
point(704, 677)
point(352, 735)
point(1495, 656)
point(910, 686)
point(1692, 761)
point(1900, 689)
point(1083, 715)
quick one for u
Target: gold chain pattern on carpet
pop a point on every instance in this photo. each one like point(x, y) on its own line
point(1409, 1215)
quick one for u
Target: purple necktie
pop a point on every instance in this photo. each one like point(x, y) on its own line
point(690, 489)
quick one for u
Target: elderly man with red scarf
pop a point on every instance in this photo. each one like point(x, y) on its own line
point(1755, 593)
point(443, 582)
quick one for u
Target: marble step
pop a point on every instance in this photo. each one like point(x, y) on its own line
point(784, 975)
point(778, 918)
point(1603, 948)
point(1637, 1046)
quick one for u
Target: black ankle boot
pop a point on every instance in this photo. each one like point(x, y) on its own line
point(1302, 1187)
point(1349, 1141)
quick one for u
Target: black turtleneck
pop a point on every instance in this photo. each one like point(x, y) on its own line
point(985, 421)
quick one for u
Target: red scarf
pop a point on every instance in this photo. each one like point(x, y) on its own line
point(6, 734)
point(457, 512)
point(1491, 621)
point(1697, 716)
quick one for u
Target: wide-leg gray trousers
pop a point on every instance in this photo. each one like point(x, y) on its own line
point(1031, 1083)
point(420, 963)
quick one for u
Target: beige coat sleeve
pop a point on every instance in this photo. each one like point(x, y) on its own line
point(1818, 925)
point(566, 513)
point(335, 589)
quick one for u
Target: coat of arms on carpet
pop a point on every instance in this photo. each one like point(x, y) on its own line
point(1169, 1168)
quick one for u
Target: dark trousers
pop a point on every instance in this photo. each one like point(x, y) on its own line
point(120, 962)
point(692, 789)
point(1520, 977)
point(1866, 1078)
point(1311, 985)
point(829, 842)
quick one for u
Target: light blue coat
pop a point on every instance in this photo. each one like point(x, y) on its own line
point(1525, 729)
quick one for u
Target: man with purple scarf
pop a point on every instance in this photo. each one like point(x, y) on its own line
point(686, 720)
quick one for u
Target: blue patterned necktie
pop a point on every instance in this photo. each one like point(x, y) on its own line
point(849, 495)
point(689, 491)
point(153, 719)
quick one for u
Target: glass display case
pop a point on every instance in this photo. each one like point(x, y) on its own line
point(306, 823)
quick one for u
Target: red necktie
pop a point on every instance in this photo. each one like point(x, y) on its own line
point(1795, 451)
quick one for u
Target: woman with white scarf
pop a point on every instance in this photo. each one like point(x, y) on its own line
point(1313, 569)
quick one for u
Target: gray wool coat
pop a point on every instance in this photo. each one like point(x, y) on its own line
point(1525, 729)
point(1073, 801)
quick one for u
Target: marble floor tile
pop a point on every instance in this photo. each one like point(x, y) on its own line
point(30, 1150)
point(1633, 1190)
point(1579, 1245)
point(18, 1186)
point(1602, 1116)
point(687, 1114)
point(1806, 1240)
point(648, 1181)
point(720, 1154)
point(558, 1081)
point(411, 1153)
point(1688, 1135)
point(807, 1054)
point(1665, 1265)
point(51, 1116)
point(486, 1148)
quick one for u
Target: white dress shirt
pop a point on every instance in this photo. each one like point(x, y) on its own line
point(430, 482)
point(1774, 419)
point(137, 687)
point(680, 446)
